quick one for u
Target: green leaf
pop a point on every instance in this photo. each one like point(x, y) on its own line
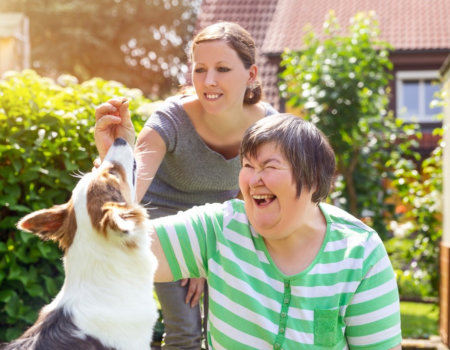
point(51, 285)
point(12, 306)
point(6, 295)
point(35, 290)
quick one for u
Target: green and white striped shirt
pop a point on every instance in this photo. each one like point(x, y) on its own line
point(347, 297)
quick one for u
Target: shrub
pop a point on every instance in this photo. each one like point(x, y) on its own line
point(417, 227)
point(47, 133)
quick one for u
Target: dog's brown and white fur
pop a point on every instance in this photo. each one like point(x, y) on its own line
point(106, 301)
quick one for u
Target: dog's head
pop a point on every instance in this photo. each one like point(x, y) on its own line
point(103, 202)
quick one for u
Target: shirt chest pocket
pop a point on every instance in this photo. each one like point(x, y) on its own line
point(326, 327)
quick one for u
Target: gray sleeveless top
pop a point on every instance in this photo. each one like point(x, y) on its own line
point(191, 173)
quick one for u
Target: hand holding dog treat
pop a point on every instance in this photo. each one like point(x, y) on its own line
point(113, 121)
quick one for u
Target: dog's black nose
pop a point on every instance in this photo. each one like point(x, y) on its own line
point(119, 142)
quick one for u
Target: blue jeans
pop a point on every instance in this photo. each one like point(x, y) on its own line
point(182, 324)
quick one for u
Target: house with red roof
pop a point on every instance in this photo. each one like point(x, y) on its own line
point(418, 30)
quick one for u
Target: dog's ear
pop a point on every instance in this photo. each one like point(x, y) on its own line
point(56, 223)
point(120, 217)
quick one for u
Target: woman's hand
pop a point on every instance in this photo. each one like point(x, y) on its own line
point(196, 286)
point(112, 120)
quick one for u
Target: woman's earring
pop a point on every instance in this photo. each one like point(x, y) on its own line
point(250, 93)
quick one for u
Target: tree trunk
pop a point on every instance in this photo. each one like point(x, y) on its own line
point(347, 172)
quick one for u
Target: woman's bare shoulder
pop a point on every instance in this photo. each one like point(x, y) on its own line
point(256, 111)
point(191, 105)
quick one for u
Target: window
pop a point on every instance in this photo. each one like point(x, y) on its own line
point(415, 91)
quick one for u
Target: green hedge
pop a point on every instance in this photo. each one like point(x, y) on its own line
point(46, 128)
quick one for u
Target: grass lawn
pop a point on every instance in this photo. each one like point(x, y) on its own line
point(419, 320)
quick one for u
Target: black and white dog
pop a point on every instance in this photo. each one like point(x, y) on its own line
point(106, 301)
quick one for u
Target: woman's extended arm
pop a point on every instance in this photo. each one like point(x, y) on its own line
point(163, 272)
point(149, 152)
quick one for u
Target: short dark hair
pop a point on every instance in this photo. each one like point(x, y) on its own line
point(305, 147)
point(240, 40)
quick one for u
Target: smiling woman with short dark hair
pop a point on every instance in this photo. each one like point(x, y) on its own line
point(285, 270)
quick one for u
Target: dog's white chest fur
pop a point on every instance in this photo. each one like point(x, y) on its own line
point(110, 292)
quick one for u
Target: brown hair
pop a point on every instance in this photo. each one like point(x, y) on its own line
point(304, 146)
point(241, 42)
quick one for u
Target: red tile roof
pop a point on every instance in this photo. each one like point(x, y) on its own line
point(253, 15)
point(405, 24)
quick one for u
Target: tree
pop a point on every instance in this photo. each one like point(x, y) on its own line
point(341, 84)
point(140, 43)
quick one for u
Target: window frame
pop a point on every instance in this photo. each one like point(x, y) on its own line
point(421, 76)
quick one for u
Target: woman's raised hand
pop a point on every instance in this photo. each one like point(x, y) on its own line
point(112, 120)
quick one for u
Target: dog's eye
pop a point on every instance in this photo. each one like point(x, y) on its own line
point(113, 172)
